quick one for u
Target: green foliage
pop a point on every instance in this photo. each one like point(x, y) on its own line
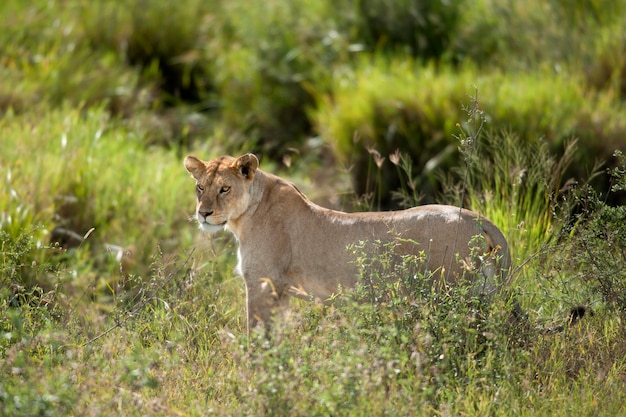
point(51, 397)
point(404, 295)
point(277, 53)
point(257, 78)
point(27, 262)
point(46, 58)
point(278, 63)
point(356, 360)
point(599, 239)
point(504, 33)
point(165, 40)
point(388, 105)
point(421, 28)
point(90, 183)
point(520, 186)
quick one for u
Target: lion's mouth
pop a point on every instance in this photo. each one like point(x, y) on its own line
point(207, 225)
point(212, 228)
point(217, 224)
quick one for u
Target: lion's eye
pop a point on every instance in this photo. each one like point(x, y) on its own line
point(224, 189)
point(199, 188)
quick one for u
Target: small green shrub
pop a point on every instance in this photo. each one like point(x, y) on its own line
point(27, 262)
point(599, 240)
point(27, 395)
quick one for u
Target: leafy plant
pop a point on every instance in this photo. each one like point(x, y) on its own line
point(599, 240)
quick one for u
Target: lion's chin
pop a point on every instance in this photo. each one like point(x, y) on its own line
point(211, 228)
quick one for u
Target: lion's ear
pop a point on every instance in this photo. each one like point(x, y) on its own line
point(194, 166)
point(247, 165)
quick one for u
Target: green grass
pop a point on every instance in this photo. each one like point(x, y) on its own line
point(113, 303)
point(178, 359)
point(78, 175)
point(397, 104)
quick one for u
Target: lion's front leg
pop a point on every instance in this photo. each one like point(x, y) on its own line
point(263, 298)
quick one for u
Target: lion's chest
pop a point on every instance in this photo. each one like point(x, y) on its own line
point(239, 267)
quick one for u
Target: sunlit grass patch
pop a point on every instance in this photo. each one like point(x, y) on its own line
point(89, 182)
point(387, 104)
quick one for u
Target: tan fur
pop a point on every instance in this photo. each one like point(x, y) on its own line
point(289, 246)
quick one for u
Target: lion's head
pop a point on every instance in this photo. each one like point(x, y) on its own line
point(222, 188)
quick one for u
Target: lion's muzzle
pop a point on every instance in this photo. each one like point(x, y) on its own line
point(205, 223)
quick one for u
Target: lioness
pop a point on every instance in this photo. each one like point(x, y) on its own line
point(289, 246)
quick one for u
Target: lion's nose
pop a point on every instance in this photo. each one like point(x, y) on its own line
point(205, 214)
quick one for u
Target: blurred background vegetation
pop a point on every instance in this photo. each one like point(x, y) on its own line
point(299, 78)
point(100, 100)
